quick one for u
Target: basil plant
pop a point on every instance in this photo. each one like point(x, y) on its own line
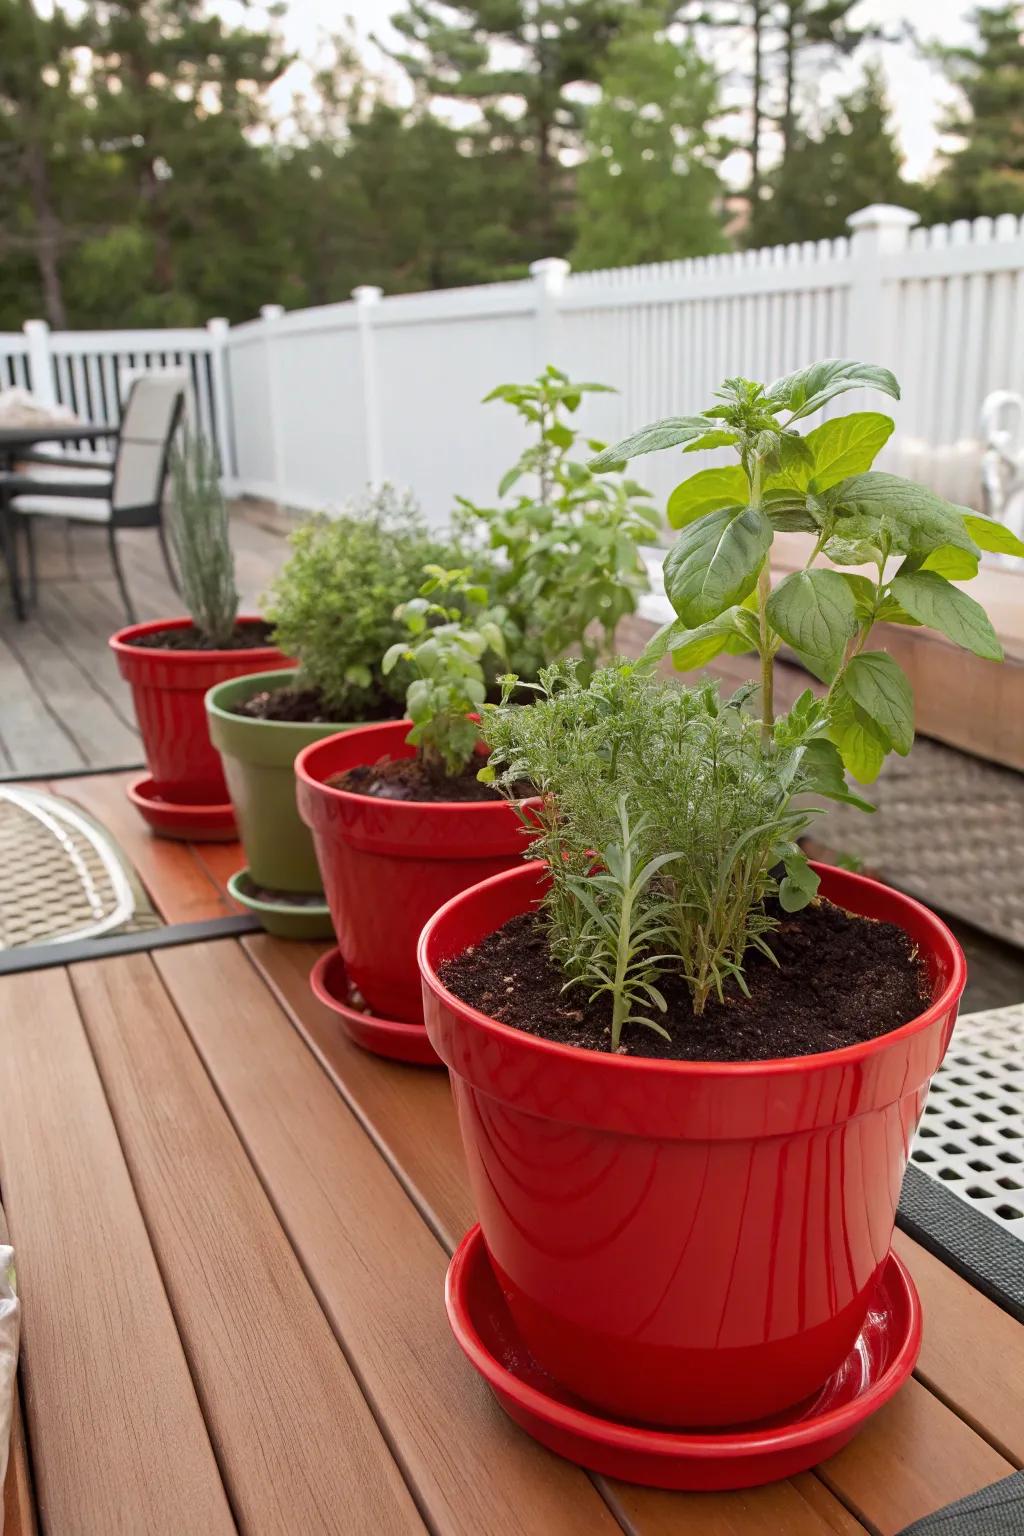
point(917, 546)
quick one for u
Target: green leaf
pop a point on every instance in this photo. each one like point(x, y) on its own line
point(877, 684)
point(822, 765)
point(814, 611)
point(954, 564)
point(847, 446)
point(852, 552)
point(934, 601)
point(560, 436)
point(669, 433)
point(716, 439)
point(694, 648)
point(801, 883)
point(509, 479)
point(917, 519)
point(707, 491)
point(808, 389)
point(715, 562)
point(789, 510)
point(859, 741)
point(992, 536)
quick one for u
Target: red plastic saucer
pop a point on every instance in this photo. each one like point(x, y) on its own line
point(881, 1360)
point(385, 1037)
point(190, 823)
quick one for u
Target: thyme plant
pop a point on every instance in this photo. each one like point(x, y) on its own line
point(334, 604)
point(568, 547)
point(444, 650)
point(200, 537)
point(718, 579)
point(664, 825)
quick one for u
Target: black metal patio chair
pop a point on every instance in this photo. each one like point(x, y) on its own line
point(127, 495)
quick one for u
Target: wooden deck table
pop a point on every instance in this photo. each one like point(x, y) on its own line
point(231, 1230)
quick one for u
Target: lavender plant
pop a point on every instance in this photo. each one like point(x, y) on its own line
point(200, 537)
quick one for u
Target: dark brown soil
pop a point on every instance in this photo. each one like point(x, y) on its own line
point(284, 898)
point(841, 979)
point(247, 636)
point(305, 706)
point(409, 778)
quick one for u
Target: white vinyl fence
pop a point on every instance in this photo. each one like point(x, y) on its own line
point(308, 407)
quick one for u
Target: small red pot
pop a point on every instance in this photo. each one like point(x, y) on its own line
point(388, 864)
point(168, 688)
point(686, 1243)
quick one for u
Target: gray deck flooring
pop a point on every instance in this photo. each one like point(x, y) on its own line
point(63, 703)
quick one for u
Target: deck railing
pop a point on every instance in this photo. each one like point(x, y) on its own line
point(307, 407)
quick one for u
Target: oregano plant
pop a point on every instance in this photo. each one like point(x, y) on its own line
point(718, 573)
point(444, 649)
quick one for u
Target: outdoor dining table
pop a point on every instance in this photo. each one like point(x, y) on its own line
point(16, 441)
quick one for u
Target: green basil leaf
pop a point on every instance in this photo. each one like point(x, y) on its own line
point(808, 389)
point(715, 563)
point(954, 564)
point(932, 600)
point(880, 687)
point(852, 551)
point(917, 520)
point(789, 511)
point(669, 433)
point(860, 743)
point(800, 884)
point(715, 439)
point(847, 446)
point(823, 767)
point(734, 630)
point(707, 491)
point(992, 536)
point(814, 611)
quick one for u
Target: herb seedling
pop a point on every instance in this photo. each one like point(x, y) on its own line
point(446, 644)
point(717, 575)
point(201, 539)
point(569, 548)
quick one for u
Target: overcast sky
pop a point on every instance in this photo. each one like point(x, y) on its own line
point(916, 90)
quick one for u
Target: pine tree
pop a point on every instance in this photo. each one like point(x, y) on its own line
point(986, 175)
point(649, 188)
point(851, 162)
point(491, 53)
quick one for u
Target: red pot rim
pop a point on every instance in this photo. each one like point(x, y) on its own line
point(121, 642)
point(306, 773)
point(943, 942)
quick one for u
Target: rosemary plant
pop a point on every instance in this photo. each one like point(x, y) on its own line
point(662, 823)
point(198, 526)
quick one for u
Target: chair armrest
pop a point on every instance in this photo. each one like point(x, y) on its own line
point(13, 486)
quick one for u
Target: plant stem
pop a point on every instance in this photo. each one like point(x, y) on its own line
point(764, 592)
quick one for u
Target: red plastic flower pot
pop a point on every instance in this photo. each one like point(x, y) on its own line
point(168, 688)
point(686, 1243)
point(388, 864)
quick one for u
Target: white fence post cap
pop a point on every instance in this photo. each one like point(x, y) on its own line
point(271, 311)
point(883, 216)
point(367, 293)
point(551, 272)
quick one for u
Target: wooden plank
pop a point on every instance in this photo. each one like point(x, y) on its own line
point(377, 1269)
point(118, 1439)
point(295, 1439)
point(181, 889)
point(220, 861)
point(410, 1115)
point(911, 1459)
point(77, 619)
point(95, 728)
point(973, 1352)
point(33, 740)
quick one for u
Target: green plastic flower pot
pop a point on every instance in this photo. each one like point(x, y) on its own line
point(258, 758)
point(281, 917)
